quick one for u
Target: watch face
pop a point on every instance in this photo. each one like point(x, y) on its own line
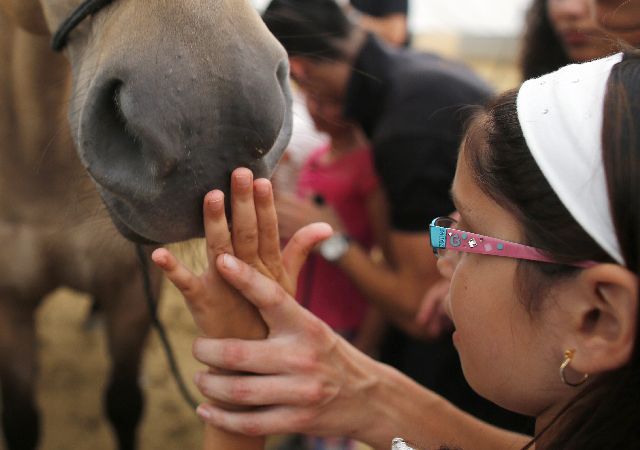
point(399, 444)
point(333, 248)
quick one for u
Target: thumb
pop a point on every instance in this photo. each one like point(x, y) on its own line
point(300, 246)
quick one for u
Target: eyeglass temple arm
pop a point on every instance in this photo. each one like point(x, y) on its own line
point(463, 241)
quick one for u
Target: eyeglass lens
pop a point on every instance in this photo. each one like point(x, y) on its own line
point(444, 222)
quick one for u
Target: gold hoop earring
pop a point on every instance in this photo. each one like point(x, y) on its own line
point(568, 356)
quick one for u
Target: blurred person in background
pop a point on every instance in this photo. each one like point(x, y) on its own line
point(412, 107)
point(386, 18)
point(337, 185)
point(561, 32)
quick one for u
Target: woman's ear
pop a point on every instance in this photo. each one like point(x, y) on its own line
point(604, 319)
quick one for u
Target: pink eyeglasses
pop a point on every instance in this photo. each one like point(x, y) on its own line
point(444, 237)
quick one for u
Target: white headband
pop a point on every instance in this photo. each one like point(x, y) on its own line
point(561, 117)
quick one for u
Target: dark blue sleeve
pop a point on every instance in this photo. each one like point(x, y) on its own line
point(380, 8)
point(416, 174)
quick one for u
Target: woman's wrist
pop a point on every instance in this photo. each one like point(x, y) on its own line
point(396, 408)
point(400, 407)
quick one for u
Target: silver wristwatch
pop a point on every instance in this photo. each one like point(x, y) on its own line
point(335, 247)
point(399, 444)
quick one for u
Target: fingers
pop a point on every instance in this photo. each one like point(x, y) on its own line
point(255, 356)
point(278, 309)
point(301, 244)
point(217, 233)
point(177, 273)
point(245, 390)
point(244, 233)
point(265, 421)
point(268, 236)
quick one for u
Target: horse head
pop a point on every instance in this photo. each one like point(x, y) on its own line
point(168, 97)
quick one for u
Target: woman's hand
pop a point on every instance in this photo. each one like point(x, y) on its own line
point(217, 308)
point(302, 378)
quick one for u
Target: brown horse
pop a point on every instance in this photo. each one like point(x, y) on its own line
point(160, 99)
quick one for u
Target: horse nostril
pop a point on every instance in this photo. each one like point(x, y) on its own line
point(159, 160)
point(282, 72)
point(124, 143)
point(119, 119)
point(116, 107)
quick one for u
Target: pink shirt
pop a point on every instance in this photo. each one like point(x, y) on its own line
point(345, 184)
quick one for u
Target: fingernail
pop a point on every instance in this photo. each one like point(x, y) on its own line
point(197, 377)
point(262, 188)
point(159, 258)
point(215, 200)
point(243, 180)
point(230, 263)
point(203, 412)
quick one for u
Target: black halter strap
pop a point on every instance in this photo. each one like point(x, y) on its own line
point(87, 8)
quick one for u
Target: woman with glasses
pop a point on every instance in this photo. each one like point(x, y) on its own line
point(543, 263)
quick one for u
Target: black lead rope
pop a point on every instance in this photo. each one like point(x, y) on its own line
point(86, 9)
point(164, 339)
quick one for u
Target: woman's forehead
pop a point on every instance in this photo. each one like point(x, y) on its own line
point(479, 211)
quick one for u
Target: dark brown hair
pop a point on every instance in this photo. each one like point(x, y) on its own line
point(310, 28)
point(542, 51)
point(605, 415)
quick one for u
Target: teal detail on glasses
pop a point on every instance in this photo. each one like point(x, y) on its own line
point(438, 236)
point(500, 246)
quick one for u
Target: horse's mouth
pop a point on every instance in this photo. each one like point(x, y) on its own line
point(189, 222)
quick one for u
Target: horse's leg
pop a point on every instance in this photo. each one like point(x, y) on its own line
point(127, 324)
point(20, 416)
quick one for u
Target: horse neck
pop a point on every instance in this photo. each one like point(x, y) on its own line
point(37, 156)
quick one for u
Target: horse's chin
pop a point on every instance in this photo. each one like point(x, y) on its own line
point(128, 233)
